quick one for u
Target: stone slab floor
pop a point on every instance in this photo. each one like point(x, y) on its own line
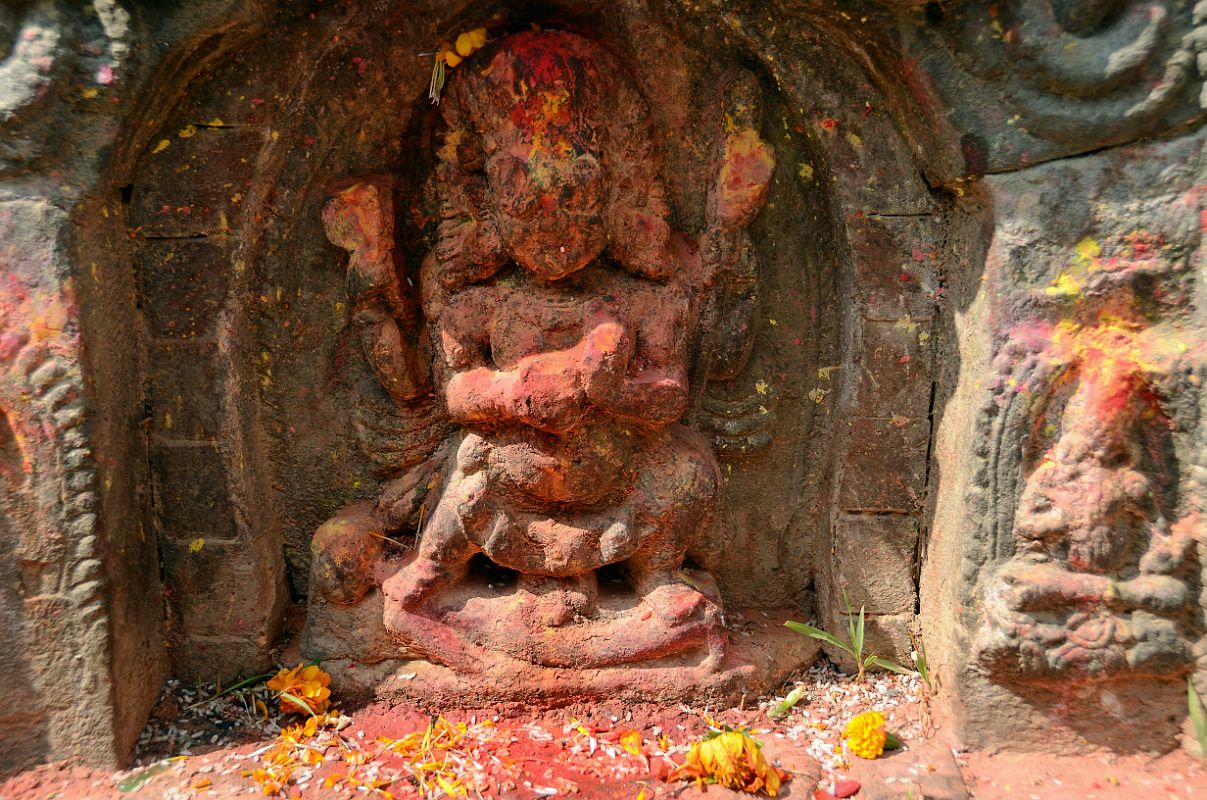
point(234, 746)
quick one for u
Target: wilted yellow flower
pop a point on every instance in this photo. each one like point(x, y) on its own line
point(307, 684)
point(733, 760)
point(631, 740)
point(865, 734)
point(273, 779)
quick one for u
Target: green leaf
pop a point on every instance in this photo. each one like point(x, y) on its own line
point(817, 633)
point(891, 742)
point(1197, 718)
point(857, 637)
point(891, 666)
point(784, 706)
point(254, 679)
point(920, 661)
point(136, 781)
point(846, 603)
point(297, 701)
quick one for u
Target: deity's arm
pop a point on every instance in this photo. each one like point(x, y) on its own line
point(360, 219)
point(540, 392)
point(546, 390)
point(653, 388)
point(1043, 586)
point(729, 262)
point(657, 396)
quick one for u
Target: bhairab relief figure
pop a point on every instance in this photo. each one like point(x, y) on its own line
point(565, 329)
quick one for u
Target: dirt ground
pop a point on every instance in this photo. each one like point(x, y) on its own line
point(197, 747)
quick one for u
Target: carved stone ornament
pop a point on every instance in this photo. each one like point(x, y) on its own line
point(1036, 79)
point(1095, 577)
point(1097, 583)
point(570, 520)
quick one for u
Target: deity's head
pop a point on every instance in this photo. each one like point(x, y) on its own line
point(560, 136)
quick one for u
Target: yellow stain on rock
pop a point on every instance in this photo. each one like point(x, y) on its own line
point(1065, 285)
point(1088, 250)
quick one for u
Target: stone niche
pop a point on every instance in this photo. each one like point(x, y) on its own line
point(575, 384)
point(669, 322)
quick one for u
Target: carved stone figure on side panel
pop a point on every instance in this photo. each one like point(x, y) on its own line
point(1098, 580)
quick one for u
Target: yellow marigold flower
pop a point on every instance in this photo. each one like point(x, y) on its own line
point(470, 41)
point(865, 734)
point(307, 684)
point(450, 55)
point(733, 760)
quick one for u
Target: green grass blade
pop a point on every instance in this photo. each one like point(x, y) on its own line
point(920, 661)
point(254, 679)
point(136, 781)
point(784, 706)
point(857, 637)
point(1197, 718)
point(297, 701)
point(846, 603)
point(891, 666)
point(817, 633)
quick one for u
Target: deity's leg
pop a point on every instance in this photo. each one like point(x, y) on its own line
point(556, 601)
point(443, 549)
point(677, 495)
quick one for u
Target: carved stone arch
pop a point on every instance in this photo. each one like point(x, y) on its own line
point(246, 311)
point(897, 237)
point(253, 386)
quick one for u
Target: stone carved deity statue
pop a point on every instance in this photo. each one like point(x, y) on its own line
point(566, 326)
point(1098, 584)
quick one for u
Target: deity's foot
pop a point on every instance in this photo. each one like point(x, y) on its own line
point(676, 603)
point(555, 602)
point(675, 596)
point(415, 581)
point(345, 554)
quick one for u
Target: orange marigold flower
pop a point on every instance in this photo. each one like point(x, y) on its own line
point(865, 734)
point(306, 684)
point(733, 760)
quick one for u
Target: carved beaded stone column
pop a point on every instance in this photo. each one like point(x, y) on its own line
point(80, 613)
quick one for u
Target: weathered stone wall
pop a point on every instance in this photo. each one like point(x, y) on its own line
point(979, 281)
point(1083, 492)
point(1061, 579)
